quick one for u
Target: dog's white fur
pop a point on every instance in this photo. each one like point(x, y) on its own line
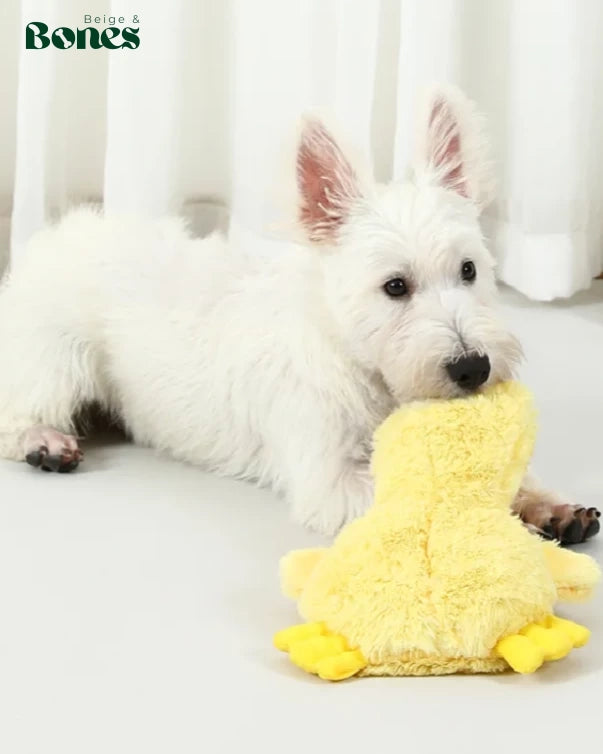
point(277, 372)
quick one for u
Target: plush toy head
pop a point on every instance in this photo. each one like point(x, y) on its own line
point(473, 452)
point(439, 576)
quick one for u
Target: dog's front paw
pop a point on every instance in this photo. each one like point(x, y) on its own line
point(49, 450)
point(569, 524)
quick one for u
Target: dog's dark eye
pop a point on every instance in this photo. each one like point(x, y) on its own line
point(395, 288)
point(468, 272)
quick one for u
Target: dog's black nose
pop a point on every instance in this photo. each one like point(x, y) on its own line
point(469, 372)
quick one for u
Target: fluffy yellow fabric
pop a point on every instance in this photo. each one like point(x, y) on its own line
point(439, 576)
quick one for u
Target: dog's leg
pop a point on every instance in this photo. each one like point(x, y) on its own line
point(327, 489)
point(46, 377)
point(554, 517)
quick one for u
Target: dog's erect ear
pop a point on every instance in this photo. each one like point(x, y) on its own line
point(451, 147)
point(327, 183)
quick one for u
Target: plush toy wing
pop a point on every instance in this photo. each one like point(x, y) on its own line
point(296, 568)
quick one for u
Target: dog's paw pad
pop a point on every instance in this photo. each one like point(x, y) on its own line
point(36, 457)
point(49, 450)
point(575, 524)
point(569, 524)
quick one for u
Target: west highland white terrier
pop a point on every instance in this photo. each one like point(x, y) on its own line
point(274, 371)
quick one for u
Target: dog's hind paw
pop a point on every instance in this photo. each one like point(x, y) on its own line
point(50, 450)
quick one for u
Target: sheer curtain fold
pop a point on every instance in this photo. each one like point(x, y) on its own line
point(36, 88)
point(319, 56)
point(201, 112)
point(429, 52)
point(145, 99)
point(547, 223)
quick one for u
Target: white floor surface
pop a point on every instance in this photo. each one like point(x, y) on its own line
point(138, 598)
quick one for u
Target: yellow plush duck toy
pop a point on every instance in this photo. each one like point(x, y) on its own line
point(439, 576)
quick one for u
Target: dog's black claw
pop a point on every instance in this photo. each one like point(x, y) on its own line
point(69, 466)
point(62, 464)
point(592, 529)
point(52, 463)
point(573, 533)
point(35, 458)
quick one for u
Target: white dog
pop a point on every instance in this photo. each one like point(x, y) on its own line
point(277, 372)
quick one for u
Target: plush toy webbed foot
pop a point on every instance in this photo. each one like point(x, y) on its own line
point(314, 649)
point(536, 643)
point(438, 576)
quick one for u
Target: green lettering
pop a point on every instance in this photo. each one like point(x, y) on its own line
point(131, 38)
point(63, 38)
point(110, 33)
point(93, 41)
point(35, 36)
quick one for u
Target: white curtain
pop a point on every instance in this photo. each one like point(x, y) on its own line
point(196, 118)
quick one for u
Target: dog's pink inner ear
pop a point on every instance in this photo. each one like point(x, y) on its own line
point(326, 182)
point(445, 148)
